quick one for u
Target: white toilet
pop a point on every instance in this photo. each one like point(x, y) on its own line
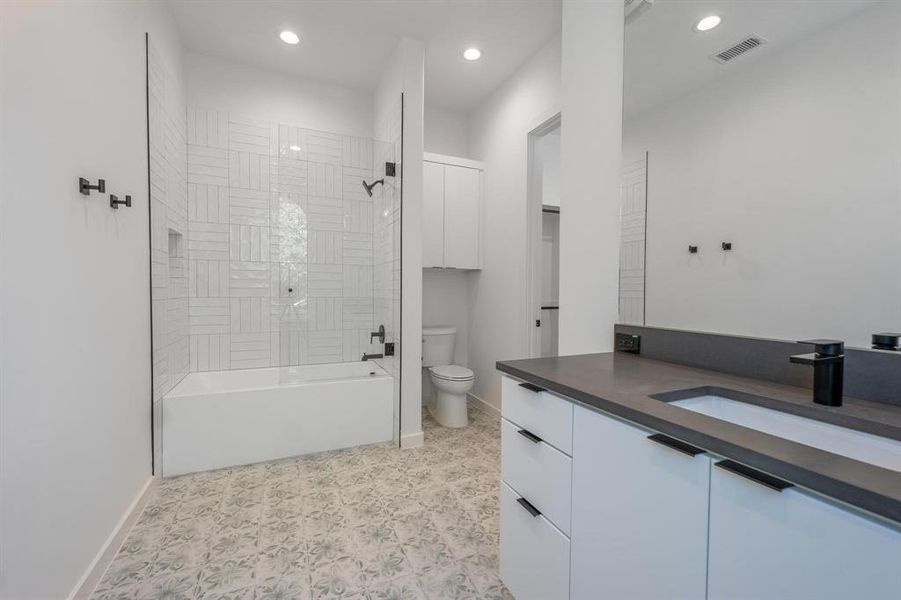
point(451, 382)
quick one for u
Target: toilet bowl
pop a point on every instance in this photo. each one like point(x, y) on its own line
point(452, 383)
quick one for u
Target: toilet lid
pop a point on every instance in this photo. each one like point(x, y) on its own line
point(452, 372)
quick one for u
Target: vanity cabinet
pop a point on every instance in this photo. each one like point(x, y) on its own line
point(536, 492)
point(639, 512)
point(595, 507)
point(451, 213)
point(766, 543)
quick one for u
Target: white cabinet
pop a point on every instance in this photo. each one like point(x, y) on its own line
point(534, 554)
point(639, 513)
point(536, 469)
point(452, 209)
point(766, 543)
point(594, 507)
point(433, 215)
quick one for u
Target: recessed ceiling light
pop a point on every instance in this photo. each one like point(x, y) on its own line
point(294, 148)
point(289, 37)
point(708, 23)
point(472, 54)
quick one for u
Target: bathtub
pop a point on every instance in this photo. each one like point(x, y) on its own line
point(218, 419)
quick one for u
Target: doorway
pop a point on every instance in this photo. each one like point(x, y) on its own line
point(543, 209)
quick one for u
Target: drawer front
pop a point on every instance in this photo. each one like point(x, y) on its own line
point(545, 415)
point(534, 554)
point(539, 472)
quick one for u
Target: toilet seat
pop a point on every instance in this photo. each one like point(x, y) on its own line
point(452, 373)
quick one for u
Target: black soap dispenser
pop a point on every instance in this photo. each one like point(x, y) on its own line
point(887, 341)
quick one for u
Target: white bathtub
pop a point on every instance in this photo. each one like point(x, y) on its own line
point(218, 419)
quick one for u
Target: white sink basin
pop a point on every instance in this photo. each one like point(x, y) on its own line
point(865, 447)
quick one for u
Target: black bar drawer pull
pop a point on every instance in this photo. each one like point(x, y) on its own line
point(531, 387)
point(528, 506)
point(677, 445)
point(754, 475)
point(529, 436)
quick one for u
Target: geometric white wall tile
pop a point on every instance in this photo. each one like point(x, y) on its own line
point(325, 247)
point(209, 315)
point(322, 147)
point(249, 350)
point(248, 135)
point(207, 166)
point(207, 203)
point(250, 315)
point(248, 171)
point(248, 279)
point(208, 241)
point(357, 249)
point(357, 152)
point(210, 352)
point(207, 278)
point(248, 243)
point(249, 207)
point(325, 280)
point(208, 127)
point(325, 180)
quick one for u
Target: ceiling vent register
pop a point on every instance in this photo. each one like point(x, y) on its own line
point(743, 47)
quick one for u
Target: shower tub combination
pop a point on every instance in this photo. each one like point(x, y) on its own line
point(218, 419)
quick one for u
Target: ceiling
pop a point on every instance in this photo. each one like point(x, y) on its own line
point(665, 57)
point(347, 42)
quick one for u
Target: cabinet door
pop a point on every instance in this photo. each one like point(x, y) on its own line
point(462, 189)
point(534, 557)
point(639, 514)
point(790, 544)
point(433, 215)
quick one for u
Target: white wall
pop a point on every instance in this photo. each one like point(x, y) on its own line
point(445, 132)
point(498, 135)
point(591, 163)
point(76, 384)
point(793, 159)
point(405, 74)
point(445, 302)
point(270, 96)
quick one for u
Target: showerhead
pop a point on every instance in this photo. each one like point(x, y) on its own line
point(368, 186)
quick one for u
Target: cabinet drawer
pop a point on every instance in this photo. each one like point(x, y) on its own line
point(545, 415)
point(537, 471)
point(534, 554)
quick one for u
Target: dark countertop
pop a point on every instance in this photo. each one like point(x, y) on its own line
point(622, 384)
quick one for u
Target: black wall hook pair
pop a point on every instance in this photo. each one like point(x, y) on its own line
point(85, 187)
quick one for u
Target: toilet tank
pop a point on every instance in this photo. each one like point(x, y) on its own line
point(438, 346)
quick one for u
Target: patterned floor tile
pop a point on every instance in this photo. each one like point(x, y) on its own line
point(373, 523)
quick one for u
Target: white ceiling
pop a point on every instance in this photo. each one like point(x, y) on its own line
point(665, 57)
point(347, 42)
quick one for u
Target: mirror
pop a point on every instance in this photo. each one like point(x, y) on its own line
point(762, 168)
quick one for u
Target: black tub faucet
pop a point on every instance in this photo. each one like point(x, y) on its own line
point(828, 360)
point(371, 356)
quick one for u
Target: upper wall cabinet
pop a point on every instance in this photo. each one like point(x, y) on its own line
point(451, 213)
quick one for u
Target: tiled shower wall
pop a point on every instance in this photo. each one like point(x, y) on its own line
point(168, 229)
point(280, 243)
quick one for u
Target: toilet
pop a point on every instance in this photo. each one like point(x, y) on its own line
point(451, 382)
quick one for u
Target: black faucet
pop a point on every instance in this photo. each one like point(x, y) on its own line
point(370, 356)
point(828, 360)
point(378, 334)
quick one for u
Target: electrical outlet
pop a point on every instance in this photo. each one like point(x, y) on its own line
point(628, 342)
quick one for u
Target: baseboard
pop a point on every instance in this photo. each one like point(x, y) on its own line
point(411, 440)
point(484, 404)
point(85, 586)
